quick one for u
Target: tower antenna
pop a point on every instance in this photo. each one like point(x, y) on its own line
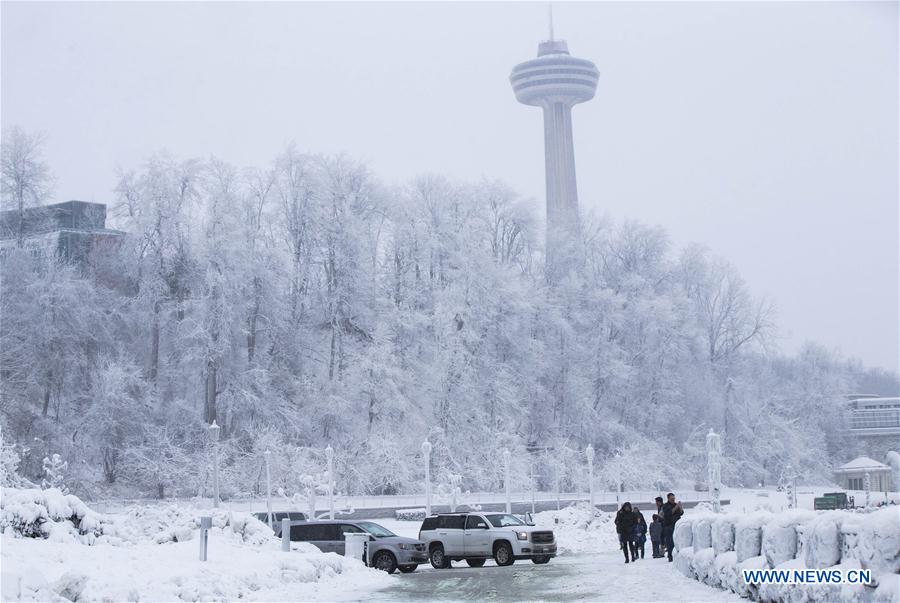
point(550, 15)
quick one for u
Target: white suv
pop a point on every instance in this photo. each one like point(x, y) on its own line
point(477, 536)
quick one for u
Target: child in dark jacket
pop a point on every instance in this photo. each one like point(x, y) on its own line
point(640, 532)
point(656, 535)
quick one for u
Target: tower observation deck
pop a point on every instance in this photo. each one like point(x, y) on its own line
point(556, 81)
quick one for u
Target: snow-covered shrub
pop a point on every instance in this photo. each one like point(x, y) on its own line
point(32, 513)
point(410, 514)
point(726, 570)
point(823, 540)
point(703, 564)
point(723, 534)
point(701, 534)
point(55, 473)
point(683, 534)
point(684, 561)
point(748, 535)
point(874, 539)
point(9, 468)
point(751, 563)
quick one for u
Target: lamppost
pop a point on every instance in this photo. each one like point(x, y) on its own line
point(506, 480)
point(267, 454)
point(589, 453)
point(618, 476)
point(214, 436)
point(426, 452)
point(714, 467)
point(790, 487)
point(329, 456)
point(867, 485)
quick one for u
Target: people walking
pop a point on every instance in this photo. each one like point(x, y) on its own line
point(671, 513)
point(625, 523)
point(656, 535)
point(640, 532)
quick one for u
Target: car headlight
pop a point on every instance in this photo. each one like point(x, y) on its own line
point(522, 535)
point(404, 546)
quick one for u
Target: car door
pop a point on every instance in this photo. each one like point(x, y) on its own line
point(346, 528)
point(476, 537)
point(450, 532)
point(326, 537)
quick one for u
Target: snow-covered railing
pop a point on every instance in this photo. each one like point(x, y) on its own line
point(717, 548)
point(372, 501)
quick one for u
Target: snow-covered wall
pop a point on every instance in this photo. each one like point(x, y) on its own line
point(715, 548)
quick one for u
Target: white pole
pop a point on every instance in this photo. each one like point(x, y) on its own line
point(267, 454)
point(867, 484)
point(506, 480)
point(714, 467)
point(329, 454)
point(589, 452)
point(426, 452)
point(214, 433)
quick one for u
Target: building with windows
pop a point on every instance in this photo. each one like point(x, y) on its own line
point(852, 475)
point(69, 231)
point(870, 416)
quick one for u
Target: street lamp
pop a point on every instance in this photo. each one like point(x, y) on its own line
point(714, 467)
point(426, 452)
point(506, 480)
point(589, 453)
point(267, 454)
point(329, 455)
point(214, 436)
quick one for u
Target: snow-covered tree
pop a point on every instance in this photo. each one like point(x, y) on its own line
point(55, 473)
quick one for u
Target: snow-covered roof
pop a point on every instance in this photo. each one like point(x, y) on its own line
point(862, 463)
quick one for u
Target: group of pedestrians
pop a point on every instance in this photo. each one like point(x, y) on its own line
point(632, 528)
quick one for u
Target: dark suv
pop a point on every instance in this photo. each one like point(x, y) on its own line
point(277, 516)
point(476, 537)
point(387, 551)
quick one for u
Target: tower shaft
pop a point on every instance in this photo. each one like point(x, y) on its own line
point(559, 159)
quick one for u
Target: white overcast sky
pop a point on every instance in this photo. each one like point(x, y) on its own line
point(767, 131)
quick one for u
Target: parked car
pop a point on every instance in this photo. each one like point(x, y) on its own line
point(387, 551)
point(277, 516)
point(476, 537)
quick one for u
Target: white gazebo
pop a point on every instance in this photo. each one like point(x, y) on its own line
point(852, 475)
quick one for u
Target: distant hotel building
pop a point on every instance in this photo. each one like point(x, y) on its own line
point(874, 416)
point(69, 231)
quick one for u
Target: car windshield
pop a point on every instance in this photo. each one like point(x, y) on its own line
point(503, 521)
point(375, 530)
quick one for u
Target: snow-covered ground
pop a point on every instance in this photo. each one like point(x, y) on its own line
point(153, 555)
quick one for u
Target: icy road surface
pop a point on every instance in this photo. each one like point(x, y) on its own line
point(603, 577)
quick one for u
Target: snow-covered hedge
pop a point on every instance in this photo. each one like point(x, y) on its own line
point(410, 514)
point(714, 549)
point(35, 513)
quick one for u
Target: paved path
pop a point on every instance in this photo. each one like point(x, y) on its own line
point(603, 577)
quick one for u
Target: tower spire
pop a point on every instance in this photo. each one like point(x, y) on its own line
point(550, 18)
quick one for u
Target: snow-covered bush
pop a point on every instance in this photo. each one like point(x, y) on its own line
point(410, 514)
point(55, 473)
point(9, 468)
point(723, 534)
point(33, 513)
point(701, 533)
point(823, 540)
point(683, 534)
point(748, 535)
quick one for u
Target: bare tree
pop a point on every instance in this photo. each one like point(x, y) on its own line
point(26, 179)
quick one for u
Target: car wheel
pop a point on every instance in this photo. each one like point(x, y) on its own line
point(503, 554)
point(385, 561)
point(541, 559)
point(438, 559)
point(475, 562)
point(407, 569)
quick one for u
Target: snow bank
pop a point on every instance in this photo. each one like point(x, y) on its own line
point(579, 529)
point(151, 554)
point(42, 570)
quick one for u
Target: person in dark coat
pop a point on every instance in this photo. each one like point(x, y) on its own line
point(671, 513)
point(656, 535)
point(625, 521)
point(640, 532)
